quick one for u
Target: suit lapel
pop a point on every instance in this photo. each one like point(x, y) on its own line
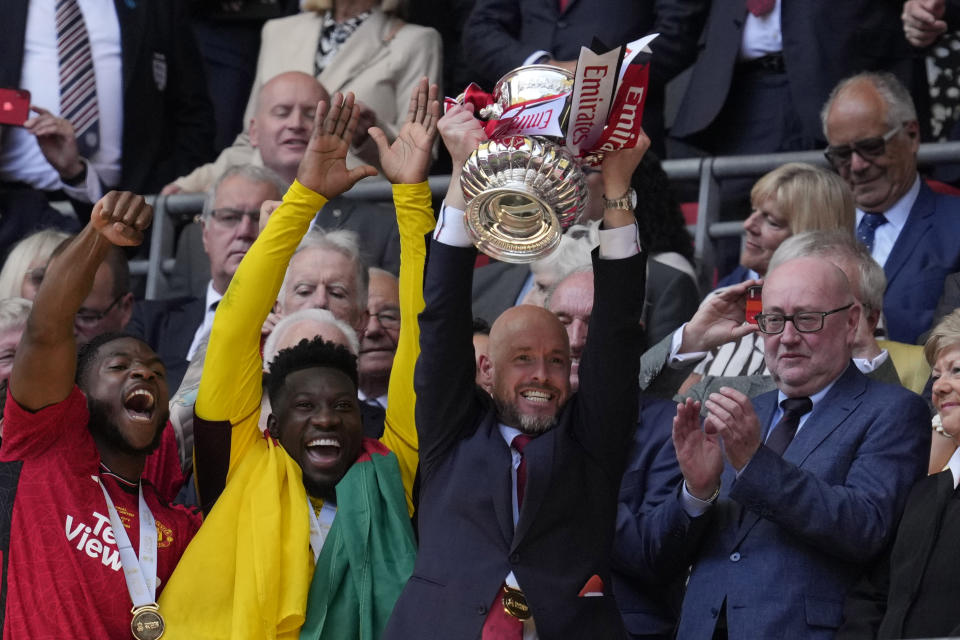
point(930, 514)
point(539, 454)
point(362, 49)
point(765, 406)
point(501, 481)
point(830, 412)
point(14, 14)
point(132, 17)
point(915, 228)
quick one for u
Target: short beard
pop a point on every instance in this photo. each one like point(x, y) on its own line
point(103, 427)
point(531, 425)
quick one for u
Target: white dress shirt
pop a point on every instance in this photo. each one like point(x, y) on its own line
point(761, 36)
point(210, 308)
point(20, 157)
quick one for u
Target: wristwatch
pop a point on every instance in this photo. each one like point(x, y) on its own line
point(627, 201)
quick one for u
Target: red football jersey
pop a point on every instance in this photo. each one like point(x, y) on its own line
point(61, 571)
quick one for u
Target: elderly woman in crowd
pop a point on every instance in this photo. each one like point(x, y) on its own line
point(357, 46)
point(912, 592)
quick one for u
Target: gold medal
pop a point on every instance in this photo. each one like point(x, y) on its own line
point(515, 603)
point(147, 623)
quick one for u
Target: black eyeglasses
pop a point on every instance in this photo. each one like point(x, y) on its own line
point(868, 149)
point(804, 322)
point(388, 319)
point(230, 217)
point(87, 318)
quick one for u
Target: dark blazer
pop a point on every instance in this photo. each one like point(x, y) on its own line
point(925, 253)
point(672, 299)
point(864, 35)
point(374, 223)
point(500, 34)
point(649, 603)
point(790, 536)
point(949, 299)
point(168, 326)
point(167, 116)
point(495, 288)
point(564, 535)
point(879, 606)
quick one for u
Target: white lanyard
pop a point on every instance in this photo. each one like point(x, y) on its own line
point(141, 574)
point(319, 527)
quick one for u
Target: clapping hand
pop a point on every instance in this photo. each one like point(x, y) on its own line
point(699, 454)
point(121, 217)
point(407, 160)
point(324, 166)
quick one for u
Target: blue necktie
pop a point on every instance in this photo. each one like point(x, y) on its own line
point(867, 229)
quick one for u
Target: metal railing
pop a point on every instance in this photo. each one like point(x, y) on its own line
point(709, 172)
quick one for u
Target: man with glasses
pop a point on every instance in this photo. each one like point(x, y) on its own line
point(787, 498)
point(230, 222)
point(913, 233)
point(110, 304)
point(378, 347)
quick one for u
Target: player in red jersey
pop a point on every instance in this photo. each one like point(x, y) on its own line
point(85, 545)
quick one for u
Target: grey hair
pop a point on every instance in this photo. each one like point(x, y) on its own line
point(344, 242)
point(572, 253)
point(251, 172)
point(548, 301)
point(834, 245)
point(318, 316)
point(900, 107)
point(14, 313)
point(34, 246)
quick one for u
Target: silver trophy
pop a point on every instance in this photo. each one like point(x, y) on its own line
point(523, 191)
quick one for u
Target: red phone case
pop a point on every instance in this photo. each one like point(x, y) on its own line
point(754, 304)
point(14, 106)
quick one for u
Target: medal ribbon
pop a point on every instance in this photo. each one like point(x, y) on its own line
point(140, 574)
point(318, 533)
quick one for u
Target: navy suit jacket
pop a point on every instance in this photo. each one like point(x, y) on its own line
point(824, 41)
point(925, 253)
point(167, 116)
point(168, 326)
point(788, 538)
point(564, 534)
point(649, 602)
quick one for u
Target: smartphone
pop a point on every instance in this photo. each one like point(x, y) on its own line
point(14, 106)
point(754, 305)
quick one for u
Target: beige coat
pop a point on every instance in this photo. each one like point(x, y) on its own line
point(380, 62)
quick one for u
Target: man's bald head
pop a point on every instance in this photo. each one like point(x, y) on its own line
point(529, 364)
point(283, 121)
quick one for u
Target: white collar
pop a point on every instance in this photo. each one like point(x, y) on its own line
point(954, 465)
point(213, 296)
point(897, 214)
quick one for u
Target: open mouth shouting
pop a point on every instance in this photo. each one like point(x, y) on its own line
point(139, 404)
point(323, 452)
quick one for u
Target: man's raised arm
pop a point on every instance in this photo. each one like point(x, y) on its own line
point(46, 361)
point(446, 369)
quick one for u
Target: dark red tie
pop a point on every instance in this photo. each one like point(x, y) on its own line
point(499, 624)
point(519, 443)
point(760, 8)
point(563, 5)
